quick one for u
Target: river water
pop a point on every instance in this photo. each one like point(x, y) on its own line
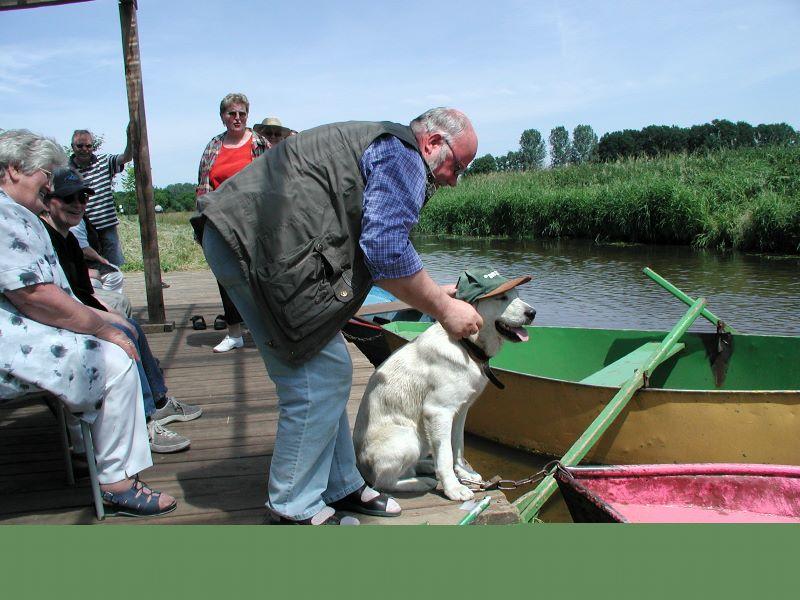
point(580, 283)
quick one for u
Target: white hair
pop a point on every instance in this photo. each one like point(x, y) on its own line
point(27, 151)
point(447, 121)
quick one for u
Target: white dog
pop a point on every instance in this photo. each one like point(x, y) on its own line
point(416, 402)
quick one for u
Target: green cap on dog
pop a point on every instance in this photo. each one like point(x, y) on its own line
point(477, 284)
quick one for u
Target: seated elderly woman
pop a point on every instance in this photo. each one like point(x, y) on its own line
point(65, 207)
point(53, 342)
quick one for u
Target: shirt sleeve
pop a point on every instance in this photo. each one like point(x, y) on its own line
point(26, 256)
point(79, 231)
point(393, 196)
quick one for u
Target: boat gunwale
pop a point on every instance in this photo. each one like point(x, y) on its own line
point(682, 469)
point(644, 389)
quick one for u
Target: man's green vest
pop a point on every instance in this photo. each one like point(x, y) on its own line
point(293, 217)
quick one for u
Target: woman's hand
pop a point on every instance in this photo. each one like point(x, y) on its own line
point(115, 336)
point(114, 318)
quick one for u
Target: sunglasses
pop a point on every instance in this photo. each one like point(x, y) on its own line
point(81, 146)
point(273, 132)
point(234, 113)
point(81, 197)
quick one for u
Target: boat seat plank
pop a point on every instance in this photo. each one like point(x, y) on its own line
point(618, 372)
point(382, 307)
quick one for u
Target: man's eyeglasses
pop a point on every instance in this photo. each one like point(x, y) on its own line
point(81, 197)
point(48, 174)
point(460, 168)
point(233, 114)
point(82, 146)
point(273, 133)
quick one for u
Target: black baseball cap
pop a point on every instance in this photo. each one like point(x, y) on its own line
point(67, 182)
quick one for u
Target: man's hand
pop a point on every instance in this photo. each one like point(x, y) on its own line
point(460, 319)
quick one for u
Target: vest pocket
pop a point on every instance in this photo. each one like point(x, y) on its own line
point(304, 288)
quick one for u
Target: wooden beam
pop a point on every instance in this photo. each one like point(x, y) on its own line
point(16, 4)
point(141, 158)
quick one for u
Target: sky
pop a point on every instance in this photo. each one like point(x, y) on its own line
point(509, 65)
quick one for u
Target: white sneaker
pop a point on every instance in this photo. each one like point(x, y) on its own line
point(229, 343)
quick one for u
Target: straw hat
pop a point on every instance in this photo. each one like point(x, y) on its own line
point(271, 123)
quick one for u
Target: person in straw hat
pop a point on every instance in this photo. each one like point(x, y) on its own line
point(273, 130)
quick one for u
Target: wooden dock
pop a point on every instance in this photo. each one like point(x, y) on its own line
point(222, 477)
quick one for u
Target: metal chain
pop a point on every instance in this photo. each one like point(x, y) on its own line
point(497, 483)
point(354, 338)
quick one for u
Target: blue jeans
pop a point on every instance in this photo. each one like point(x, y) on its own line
point(153, 384)
point(111, 246)
point(313, 463)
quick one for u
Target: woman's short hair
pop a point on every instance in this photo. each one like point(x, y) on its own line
point(234, 98)
point(27, 151)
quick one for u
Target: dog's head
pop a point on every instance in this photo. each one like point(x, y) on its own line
point(504, 314)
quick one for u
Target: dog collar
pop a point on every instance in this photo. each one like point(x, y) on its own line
point(477, 354)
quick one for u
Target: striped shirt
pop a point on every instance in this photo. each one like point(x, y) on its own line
point(99, 175)
point(393, 196)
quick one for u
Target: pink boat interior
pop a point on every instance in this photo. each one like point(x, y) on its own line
point(695, 493)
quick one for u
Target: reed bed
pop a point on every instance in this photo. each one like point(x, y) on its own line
point(747, 199)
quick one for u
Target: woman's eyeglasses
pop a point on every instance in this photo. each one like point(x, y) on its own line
point(48, 174)
point(234, 113)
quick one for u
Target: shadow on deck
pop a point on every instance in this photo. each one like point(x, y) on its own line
point(222, 477)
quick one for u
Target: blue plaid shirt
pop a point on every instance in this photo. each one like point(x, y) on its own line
point(393, 196)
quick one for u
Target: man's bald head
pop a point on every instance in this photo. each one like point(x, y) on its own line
point(447, 141)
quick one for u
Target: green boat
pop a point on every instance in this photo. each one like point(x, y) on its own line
point(718, 397)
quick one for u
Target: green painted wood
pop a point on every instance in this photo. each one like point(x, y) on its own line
point(530, 504)
point(686, 299)
point(754, 362)
point(618, 372)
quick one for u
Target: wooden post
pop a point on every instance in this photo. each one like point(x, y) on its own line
point(141, 157)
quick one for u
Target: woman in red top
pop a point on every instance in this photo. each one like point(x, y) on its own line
point(225, 155)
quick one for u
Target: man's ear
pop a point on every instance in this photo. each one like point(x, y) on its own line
point(431, 143)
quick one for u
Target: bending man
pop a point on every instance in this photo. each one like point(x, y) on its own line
point(297, 239)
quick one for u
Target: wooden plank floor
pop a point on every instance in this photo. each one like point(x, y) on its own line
point(222, 477)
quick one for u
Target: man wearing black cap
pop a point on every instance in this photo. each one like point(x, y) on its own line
point(66, 205)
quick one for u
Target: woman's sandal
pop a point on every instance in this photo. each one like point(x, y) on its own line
point(327, 516)
point(220, 323)
point(198, 322)
point(377, 507)
point(137, 501)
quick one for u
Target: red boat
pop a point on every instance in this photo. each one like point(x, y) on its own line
point(681, 493)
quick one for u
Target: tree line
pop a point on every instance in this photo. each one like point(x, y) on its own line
point(651, 141)
point(176, 197)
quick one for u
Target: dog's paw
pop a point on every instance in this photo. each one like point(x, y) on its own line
point(466, 472)
point(458, 492)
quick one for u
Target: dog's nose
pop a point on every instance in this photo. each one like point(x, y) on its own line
point(530, 314)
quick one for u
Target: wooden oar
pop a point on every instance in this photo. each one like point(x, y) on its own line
point(530, 504)
point(686, 299)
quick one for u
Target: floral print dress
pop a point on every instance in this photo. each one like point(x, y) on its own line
point(34, 356)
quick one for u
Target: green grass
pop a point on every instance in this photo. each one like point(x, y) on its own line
point(176, 246)
point(747, 199)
